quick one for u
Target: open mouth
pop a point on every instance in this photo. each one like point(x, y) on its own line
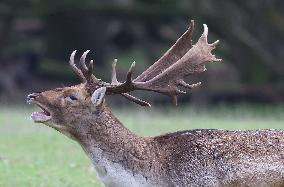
point(42, 116)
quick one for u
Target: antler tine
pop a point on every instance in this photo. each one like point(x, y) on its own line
point(83, 63)
point(114, 80)
point(189, 86)
point(136, 100)
point(214, 44)
point(90, 68)
point(205, 34)
point(74, 68)
point(129, 73)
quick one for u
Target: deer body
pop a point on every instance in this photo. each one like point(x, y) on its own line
point(189, 158)
point(225, 158)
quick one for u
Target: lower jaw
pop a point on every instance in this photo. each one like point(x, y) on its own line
point(41, 121)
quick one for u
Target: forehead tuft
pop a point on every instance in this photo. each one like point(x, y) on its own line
point(82, 89)
point(79, 88)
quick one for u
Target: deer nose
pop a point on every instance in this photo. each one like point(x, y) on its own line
point(32, 96)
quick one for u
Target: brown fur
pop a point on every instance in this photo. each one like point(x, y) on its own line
point(187, 158)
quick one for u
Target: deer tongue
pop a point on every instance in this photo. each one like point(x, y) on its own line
point(42, 116)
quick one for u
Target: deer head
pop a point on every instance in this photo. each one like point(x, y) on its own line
point(64, 108)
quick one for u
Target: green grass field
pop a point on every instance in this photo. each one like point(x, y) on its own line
point(32, 155)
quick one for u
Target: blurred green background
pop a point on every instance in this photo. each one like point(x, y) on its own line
point(244, 91)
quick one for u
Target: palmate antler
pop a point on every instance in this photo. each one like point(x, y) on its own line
point(165, 76)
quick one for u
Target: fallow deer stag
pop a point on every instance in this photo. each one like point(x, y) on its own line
point(187, 158)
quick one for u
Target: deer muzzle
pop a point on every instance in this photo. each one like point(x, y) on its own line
point(32, 96)
point(41, 116)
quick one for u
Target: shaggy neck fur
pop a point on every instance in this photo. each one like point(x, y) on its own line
point(120, 157)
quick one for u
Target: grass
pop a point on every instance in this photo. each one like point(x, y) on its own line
point(32, 155)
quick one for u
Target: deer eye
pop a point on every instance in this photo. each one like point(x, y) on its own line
point(71, 98)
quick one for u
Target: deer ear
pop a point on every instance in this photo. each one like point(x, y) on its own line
point(98, 96)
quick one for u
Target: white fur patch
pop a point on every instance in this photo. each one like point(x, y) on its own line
point(114, 175)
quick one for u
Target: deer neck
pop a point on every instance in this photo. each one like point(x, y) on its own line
point(104, 136)
point(113, 149)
